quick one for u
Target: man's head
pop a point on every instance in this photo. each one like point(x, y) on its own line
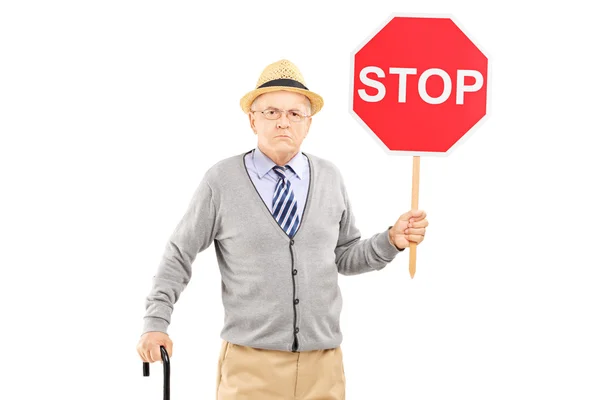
point(280, 108)
point(281, 120)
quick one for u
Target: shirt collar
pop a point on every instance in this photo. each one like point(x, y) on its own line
point(264, 164)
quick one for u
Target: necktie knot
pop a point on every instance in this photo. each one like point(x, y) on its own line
point(280, 171)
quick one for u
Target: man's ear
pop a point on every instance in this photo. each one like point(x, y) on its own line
point(251, 120)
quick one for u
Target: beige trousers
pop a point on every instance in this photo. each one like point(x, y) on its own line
point(247, 373)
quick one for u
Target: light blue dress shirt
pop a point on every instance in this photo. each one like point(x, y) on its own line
point(260, 169)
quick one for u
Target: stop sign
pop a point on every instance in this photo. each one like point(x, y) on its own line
point(419, 84)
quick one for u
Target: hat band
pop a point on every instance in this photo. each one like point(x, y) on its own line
point(283, 82)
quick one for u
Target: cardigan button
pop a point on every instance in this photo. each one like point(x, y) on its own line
point(295, 271)
point(292, 242)
point(296, 301)
point(297, 330)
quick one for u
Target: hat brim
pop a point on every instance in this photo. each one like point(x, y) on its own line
point(316, 101)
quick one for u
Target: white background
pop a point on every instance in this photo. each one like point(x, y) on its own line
point(111, 112)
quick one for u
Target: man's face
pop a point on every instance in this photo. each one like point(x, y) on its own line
point(281, 135)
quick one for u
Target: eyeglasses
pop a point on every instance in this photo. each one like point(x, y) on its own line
point(274, 113)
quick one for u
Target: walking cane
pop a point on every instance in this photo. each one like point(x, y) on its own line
point(166, 372)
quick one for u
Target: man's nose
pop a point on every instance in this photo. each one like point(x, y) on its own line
point(283, 121)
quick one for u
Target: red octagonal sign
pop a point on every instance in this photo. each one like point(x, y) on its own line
point(419, 84)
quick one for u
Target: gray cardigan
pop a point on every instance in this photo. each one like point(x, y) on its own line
point(278, 293)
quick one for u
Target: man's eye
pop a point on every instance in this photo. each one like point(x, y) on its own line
point(270, 112)
point(295, 114)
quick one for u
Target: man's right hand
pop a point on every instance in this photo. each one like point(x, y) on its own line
point(149, 346)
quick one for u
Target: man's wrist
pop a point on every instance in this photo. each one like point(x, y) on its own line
point(390, 238)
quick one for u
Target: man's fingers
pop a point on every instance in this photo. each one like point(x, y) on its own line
point(415, 231)
point(414, 215)
point(139, 351)
point(143, 353)
point(406, 216)
point(155, 353)
point(414, 238)
point(419, 224)
point(418, 215)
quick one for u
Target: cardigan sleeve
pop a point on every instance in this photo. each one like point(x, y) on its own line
point(194, 233)
point(354, 255)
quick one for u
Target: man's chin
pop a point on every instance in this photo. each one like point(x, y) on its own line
point(284, 144)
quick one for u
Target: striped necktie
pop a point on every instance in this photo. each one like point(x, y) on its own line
point(285, 206)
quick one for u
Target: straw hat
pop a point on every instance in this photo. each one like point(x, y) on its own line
point(281, 75)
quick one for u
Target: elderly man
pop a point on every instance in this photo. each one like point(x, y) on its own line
point(283, 228)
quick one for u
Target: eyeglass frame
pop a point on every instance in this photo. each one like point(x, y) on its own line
point(304, 116)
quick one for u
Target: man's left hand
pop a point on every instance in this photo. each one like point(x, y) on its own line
point(410, 227)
